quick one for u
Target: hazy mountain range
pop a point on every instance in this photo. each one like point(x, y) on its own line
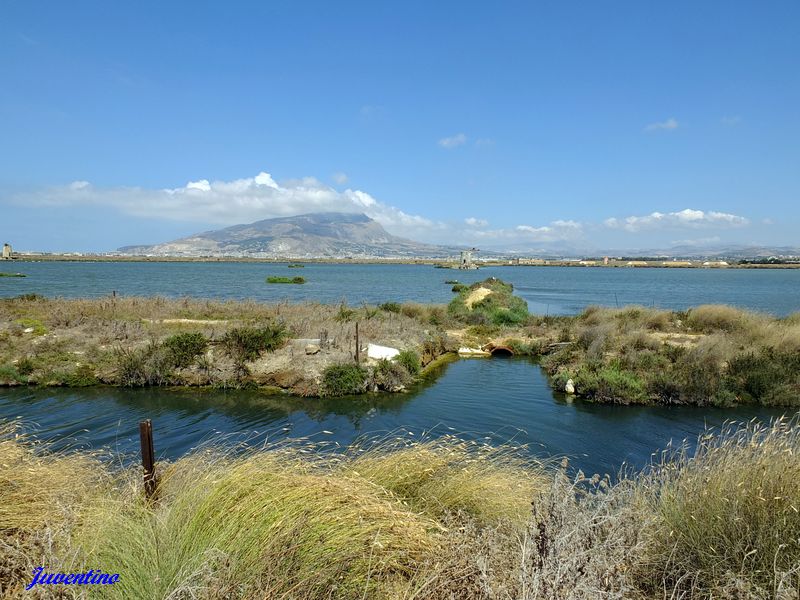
point(341, 235)
point(318, 235)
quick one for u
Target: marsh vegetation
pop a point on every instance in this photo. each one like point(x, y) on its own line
point(395, 518)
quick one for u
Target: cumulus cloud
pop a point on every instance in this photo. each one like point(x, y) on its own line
point(473, 222)
point(231, 202)
point(340, 178)
point(454, 141)
point(668, 125)
point(688, 217)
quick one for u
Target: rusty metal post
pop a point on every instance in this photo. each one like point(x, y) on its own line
point(358, 347)
point(148, 458)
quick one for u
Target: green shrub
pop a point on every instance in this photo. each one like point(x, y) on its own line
point(82, 376)
point(245, 344)
point(148, 366)
point(520, 348)
point(9, 374)
point(345, 314)
point(26, 366)
point(35, 324)
point(610, 384)
point(184, 348)
point(459, 287)
point(768, 377)
point(390, 376)
point(392, 307)
point(344, 380)
point(409, 360)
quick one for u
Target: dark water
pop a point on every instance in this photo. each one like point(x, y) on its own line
point(553, 290)
point(494, 399)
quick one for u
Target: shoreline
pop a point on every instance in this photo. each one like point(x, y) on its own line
point(448, 263)
point(708, 355)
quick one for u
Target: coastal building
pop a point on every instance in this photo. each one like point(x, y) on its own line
point(7, 252)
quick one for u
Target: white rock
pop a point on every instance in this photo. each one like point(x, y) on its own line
point(570, 386)
point(381, 352)
point(464, 351)
point(28, 330)
point(312, 349)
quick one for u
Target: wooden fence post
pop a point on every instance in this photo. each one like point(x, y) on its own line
point(358, 347)
point(148, 458)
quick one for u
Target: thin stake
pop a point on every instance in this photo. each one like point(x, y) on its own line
point(358, 360)
point(148, 458)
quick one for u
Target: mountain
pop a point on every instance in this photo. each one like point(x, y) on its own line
point(317, 235)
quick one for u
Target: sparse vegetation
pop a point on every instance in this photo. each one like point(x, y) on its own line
point(715, 355)
point(399, 519)
point(12, 274)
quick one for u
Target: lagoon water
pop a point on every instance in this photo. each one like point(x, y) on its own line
point(548, 290)
point(493, 399)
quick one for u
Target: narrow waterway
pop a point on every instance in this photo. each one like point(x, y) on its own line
point(500, 400)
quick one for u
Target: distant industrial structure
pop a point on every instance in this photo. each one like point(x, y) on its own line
point(8, 253)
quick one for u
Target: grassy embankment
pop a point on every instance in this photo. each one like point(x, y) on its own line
point(307, 349)
point(708, 355)
point(437, 519)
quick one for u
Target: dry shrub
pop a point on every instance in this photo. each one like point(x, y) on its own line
point(449, 475)
point(728, 515)
point(719, 317)
point(42, 498)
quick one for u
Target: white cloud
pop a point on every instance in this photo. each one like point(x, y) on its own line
point(231, 202)
point(698, 242)
point(340, 178)
point(473, 222)
point(688, 217)
point(454, 141)
point(668, 125)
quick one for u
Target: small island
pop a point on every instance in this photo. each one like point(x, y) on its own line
point(278, 279)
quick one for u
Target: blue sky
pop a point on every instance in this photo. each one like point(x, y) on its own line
point(582, 124)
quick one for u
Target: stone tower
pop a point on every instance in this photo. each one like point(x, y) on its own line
point(7, 251)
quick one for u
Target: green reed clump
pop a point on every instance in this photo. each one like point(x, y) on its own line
point(410, 361)
point(185, 348)
point(278, 279)
point(151, 365)
point(245, 344)
point(344, 380)
point(390, 307)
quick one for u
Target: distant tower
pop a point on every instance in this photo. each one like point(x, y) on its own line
point(605, 260)
point(466, 259)
point(7, 251)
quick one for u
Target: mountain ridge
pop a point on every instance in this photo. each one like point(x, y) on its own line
point(311, 235)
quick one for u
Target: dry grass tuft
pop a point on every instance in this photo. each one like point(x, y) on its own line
point(728, 514)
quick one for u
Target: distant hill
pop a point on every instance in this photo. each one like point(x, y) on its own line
point(317, 235)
